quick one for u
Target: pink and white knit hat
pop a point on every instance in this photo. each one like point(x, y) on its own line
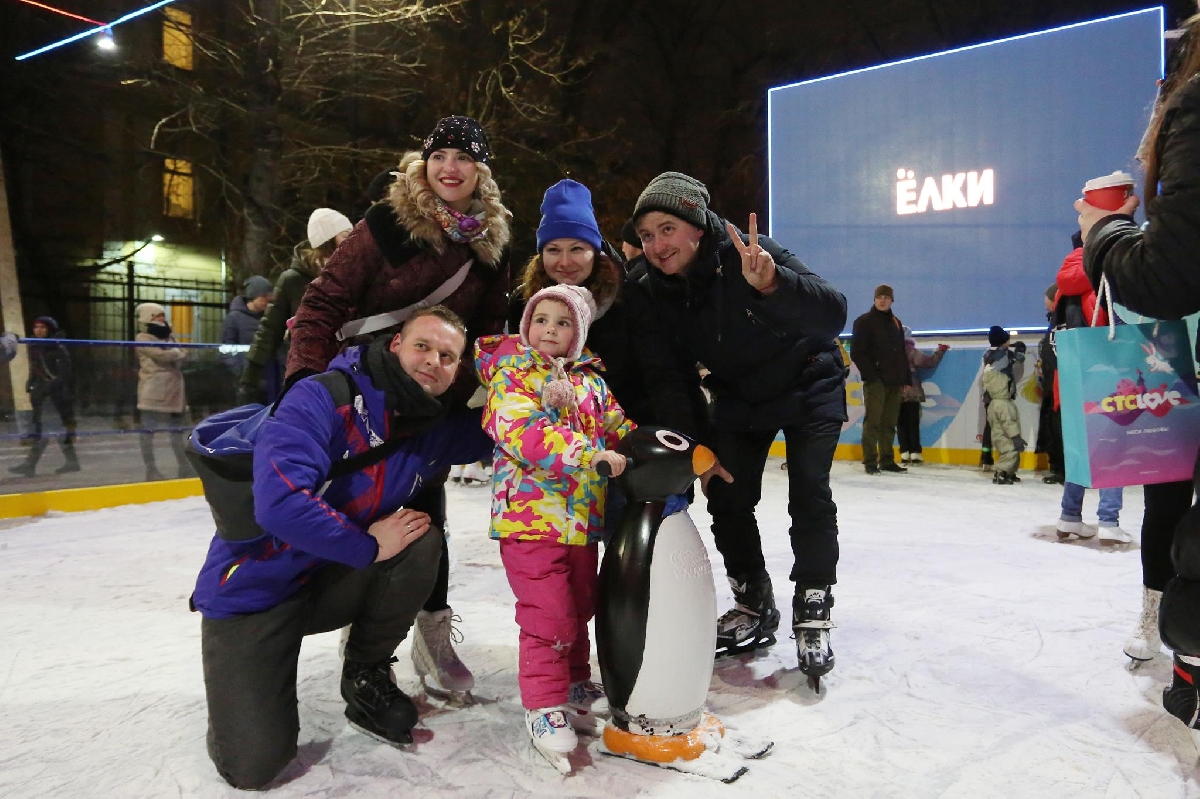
point(581, 306)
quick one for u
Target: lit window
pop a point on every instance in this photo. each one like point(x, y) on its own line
point(177, 38)
point(178, 189)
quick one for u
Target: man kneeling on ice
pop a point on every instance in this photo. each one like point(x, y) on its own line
point(320, 538)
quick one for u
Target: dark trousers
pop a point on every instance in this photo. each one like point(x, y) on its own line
point(60, 397)
point(1166, 503)
point(814, 531)
point(250, 661)
point(1050, 435)
point(432, 500)
point(879, 425)
point(908, 427)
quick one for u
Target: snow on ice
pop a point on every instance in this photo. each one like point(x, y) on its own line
point(976, 656)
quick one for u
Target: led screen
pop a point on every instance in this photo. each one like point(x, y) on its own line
point(951, 177)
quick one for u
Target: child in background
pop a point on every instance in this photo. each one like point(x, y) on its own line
point(553, 420)
point(999, 395)
point(908, 426)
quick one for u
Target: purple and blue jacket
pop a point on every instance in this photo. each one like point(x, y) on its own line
point(306, 527)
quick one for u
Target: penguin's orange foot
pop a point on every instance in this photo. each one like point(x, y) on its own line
point(664, 748)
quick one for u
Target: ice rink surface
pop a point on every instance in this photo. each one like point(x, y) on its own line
point(977, 656)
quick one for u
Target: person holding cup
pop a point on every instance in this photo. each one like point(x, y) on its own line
point(1153, 270)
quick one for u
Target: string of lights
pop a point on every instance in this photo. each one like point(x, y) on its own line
point(105, 26)
point(89, 20)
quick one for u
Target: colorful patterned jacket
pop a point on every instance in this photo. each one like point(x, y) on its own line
point(543, 484)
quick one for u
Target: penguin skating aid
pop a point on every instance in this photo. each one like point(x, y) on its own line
point(656, 619)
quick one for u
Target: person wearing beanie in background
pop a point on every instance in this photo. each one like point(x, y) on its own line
point(554, 421)
point(908, 425)
point(439, 237)
point(999, 399)
point(877, 349)
point(160, 394)
point(262, 378)
point(1049, 415)
point(241, 323)
point(640, 368)
point(631, 245)
point(766, 328)
point(49, 379)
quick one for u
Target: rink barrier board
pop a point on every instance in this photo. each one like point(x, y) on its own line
point(73, 500)
point(1030, 461)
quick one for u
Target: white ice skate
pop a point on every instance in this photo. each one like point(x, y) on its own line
point(552, 735)
point(1145, 643)
point(1113, 536)
point(1067, 529)
point(587, 706)
point(476, 474)
point(442, 673)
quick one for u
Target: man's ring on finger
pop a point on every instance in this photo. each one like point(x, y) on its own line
point(409, 527)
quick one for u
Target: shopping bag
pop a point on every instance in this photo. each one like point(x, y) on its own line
point(1130, 411)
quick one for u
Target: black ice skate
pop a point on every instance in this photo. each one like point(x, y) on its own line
point(1180, 698)
point(753, 620)
point(811, 624)
point(375, 705)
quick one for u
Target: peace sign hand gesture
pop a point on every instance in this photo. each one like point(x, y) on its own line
point(757, 265)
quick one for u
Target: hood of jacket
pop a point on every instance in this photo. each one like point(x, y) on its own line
point(298, 263)
point(412, 202)
point(493, 353)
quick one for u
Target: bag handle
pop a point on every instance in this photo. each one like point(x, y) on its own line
point(1104, 295)
point(382, 321)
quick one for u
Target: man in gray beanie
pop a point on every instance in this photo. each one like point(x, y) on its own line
point(241, 323)
point(765, 327)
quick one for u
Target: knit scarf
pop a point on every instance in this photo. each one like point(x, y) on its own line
point(413, 410)
point(460, 227)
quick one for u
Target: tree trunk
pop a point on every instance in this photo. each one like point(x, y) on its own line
point(260, 204)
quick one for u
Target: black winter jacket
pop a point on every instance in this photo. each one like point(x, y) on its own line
point(774, 360)
point(49, 365)
point(877, 349)
point(1156, 271)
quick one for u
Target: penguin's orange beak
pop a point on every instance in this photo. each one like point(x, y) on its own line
point(703, 459)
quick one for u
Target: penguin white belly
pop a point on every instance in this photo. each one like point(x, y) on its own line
point(681, 626)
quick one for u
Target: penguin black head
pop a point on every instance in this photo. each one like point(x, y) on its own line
point(662, 462)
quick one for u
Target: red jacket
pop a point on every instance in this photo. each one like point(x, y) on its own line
point(1073, 282)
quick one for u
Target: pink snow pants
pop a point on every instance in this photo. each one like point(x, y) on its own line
point(555, 586)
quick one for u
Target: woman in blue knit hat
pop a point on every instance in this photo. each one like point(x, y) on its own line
point(639, 366)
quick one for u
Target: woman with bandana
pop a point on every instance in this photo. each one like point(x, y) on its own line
point(438, 237)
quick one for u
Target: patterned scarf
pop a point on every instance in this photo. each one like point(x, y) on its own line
point(460, 227)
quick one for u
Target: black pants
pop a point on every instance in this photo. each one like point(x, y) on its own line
point(814, 531)
point(1166, 503)
point(432, 500)
point(60, 397)
point(908, 427)
point(1050, 435)
point(250, 661)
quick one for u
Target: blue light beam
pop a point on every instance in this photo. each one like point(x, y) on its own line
point(93, 31)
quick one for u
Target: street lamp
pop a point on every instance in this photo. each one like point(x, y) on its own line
point(105, 40)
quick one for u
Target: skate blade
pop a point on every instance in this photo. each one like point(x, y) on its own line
point(722, 766)
point(746, 647)
point(451, 698)
point(560, 761)
point(746, 746)
point(402, 745)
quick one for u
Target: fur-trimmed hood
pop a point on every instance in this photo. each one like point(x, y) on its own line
point(413, 202)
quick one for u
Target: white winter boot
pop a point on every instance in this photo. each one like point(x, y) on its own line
point(1145, 643)
point(433, 655)
point(476, 474)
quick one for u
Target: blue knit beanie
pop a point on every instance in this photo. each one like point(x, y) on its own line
point(567, 214)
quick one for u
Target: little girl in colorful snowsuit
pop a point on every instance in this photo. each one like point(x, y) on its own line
point(554, 421)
